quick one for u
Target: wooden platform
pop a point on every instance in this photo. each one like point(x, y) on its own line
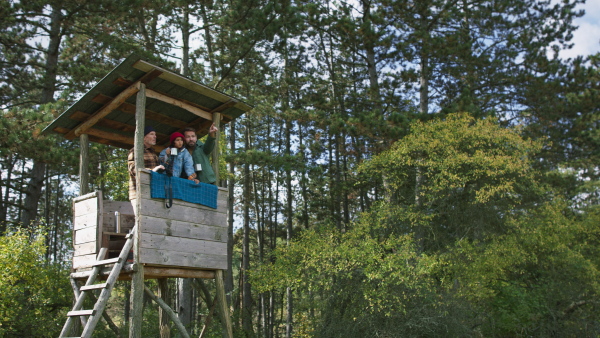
point(150, 272)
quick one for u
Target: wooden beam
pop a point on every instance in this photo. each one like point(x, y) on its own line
point(156, 272)
point(150, 272)
point(199, 123)
point(111, 136)
point(107, 109)
point(182, 330)
point(178, 103)
point(108, 136)
point(216, 153)
point(129, 108)
point(96, 139)
point(84, 160)
point(151, 75)
point(222, 303)
point(110, 124)
point(137, 280)
point(125, 82)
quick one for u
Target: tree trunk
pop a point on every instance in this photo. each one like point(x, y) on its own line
point(7, 185)
point(247, 296)
point(230, 220)
point(185, 301)
point(185, 37)
point(36, 181)
point(163, 318)
point(289, 222)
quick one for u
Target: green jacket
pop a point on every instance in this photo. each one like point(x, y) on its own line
point(201, 155)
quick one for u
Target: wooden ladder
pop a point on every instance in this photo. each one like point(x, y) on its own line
point(96, 313)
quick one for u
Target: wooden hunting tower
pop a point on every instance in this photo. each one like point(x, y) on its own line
point(188, 240)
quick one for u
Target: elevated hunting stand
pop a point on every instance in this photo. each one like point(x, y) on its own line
point(188, 240)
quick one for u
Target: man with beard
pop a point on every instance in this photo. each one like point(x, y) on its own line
point(201, 152)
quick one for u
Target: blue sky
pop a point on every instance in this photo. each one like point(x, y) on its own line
point(587, 37)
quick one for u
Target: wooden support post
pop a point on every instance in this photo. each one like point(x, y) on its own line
point(76, 328)
point(163, 319)
point(107, 318)
point(217, 151)
point(182, 331)
point(137, 280)
point(84, 160)
point(223, 307)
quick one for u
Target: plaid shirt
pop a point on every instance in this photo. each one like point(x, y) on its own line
point(150, 162)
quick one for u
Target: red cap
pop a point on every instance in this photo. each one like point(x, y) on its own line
point(174, 136)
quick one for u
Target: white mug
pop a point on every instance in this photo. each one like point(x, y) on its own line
point(174, 151)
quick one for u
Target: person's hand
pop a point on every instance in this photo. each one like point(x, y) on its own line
point(169, 151)
point(158, 167)
point(196, 181)
point(213, 130)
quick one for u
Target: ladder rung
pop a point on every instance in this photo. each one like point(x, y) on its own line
point(93, 287)
point(106, 261)
point(81, 313)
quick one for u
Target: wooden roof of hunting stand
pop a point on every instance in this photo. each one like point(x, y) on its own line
point(107, 112)
point(186, 240)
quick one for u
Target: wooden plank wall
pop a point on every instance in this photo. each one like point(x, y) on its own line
point(185, 235)
point(126, 215)
point(87, 214)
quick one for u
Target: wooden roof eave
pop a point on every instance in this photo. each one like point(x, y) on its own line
point(110, 131)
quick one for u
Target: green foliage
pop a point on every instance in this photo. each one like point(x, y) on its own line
point(539, 279)
point(114, 176)
point(34, 294)
point(514, 265)
point(456, 177)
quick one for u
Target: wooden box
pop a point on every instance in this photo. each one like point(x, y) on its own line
point(187, 235)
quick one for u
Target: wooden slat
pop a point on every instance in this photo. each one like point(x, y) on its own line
point(106, 261)
point(168, 227)
point(93, 287)
point(107, 109)
point(93, 194)
point(84, 249)
point(84, 221)
point(183, 259)
point(121, 207)
point(180, 244)
point(207, 216)
point(83, 260)
point(157, 272)
point(85, 235)
point(87, 206)
point(176, 102)
point(80, 313)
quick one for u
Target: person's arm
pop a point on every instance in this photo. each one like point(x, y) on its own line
point(209, 145)
point(163, 157)
point(188, 165)
point(210, 140)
